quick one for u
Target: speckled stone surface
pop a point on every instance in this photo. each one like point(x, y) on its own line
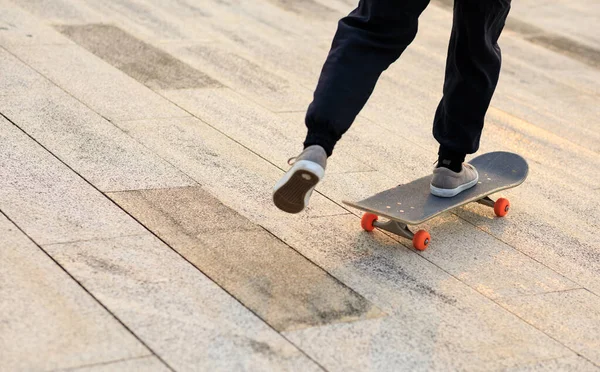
point(177, 118)
point(88, 143)
point(184, 317)
point(47, 320)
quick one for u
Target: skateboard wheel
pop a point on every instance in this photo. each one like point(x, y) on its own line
point(501, 207)
point(366, 222)
point(421, 240)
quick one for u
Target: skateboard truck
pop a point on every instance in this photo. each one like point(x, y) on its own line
point(395, 227)
point(420, 239)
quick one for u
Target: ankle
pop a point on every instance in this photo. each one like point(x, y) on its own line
point(450, 159)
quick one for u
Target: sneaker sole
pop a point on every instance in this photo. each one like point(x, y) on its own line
point(292, 192)
point(448, 193)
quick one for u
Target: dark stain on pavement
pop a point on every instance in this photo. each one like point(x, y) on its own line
point(573, 49)
point(143, 62)
point(396, 276)
point(269, 277)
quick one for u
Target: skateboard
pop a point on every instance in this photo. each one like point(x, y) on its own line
point(412, 203)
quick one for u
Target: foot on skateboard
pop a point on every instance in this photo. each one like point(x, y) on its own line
point(413, 203)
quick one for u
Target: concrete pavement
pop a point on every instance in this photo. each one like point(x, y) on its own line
point(140, 140)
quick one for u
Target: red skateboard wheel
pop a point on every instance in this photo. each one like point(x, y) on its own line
point(501, 207)
point(366, 222)
point(421, 240)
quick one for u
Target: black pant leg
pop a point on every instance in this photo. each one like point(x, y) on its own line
point(472, 71)
point(366, 43)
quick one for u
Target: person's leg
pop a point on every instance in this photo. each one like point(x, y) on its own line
point(366, 42)
point(472, 71)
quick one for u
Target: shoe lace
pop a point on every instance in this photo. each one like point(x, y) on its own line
point(292, 160)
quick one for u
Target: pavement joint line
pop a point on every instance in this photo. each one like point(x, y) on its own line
point(106, 363)
point(196, 184)
point(331, 215)
point(290, 112)
point(355, 172)
point(146, 119)
point(92, 240)
point(65, 270)
point(548, 292)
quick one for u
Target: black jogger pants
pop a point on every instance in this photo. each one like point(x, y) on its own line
point(375, 34)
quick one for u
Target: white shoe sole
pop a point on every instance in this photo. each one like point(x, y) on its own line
point(448, 193)
point(292, 193)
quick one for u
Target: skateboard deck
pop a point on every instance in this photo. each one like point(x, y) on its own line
point(412, 203)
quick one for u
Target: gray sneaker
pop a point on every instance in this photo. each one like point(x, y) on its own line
point(292, 192)
point(447, 183)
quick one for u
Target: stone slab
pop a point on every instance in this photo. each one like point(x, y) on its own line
point(149, 364)
point(145, 63)
point(100, 86)
point(267, 276)
point(18, 27)
point(17, 78)
point(184, 317)
point(47, 321)
point(188, 212)
point(571, 317)
point(573, 363)
point(48, 200)
point(92, 146)
point(274, 138)
point(240, 178)
point(245, 76)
